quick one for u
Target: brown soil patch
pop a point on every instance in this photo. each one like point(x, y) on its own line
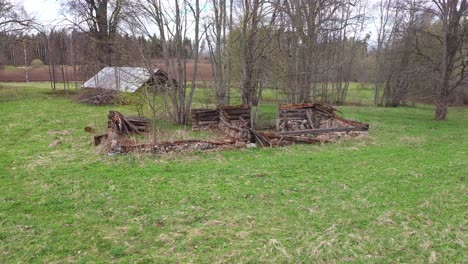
point(41, 74)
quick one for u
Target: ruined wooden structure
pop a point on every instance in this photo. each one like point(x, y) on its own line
point(204, 118)
point(174, 146)
point(295, 123)
point(309, 123)
point(127, 124)
point(233, 121)
point(119, 125)
point(294, 117)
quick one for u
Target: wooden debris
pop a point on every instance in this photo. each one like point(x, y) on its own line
point(322, 131)
point(127, 125)
point(298, 117)
point(99, 139)
point(269, 139)
point(301, 123)
point(175, 146)
point(204, 118)
point(234, 121)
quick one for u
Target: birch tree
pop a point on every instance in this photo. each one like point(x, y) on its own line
point(170, 21)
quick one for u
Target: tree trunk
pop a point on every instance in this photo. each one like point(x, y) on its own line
point(441, 107)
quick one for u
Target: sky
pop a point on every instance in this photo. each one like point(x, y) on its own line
point(43, 10)
point(47, 11)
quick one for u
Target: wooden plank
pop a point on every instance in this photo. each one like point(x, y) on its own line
point(323, 131)
point(225, 107)
point(294, 118)
point(294, 139)
point(301, 116)
point(310, 116)
point(204, 123)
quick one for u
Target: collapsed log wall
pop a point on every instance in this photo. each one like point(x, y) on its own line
point(313, 116)
point(233, 121)
point(299, 123)
point(204, 119)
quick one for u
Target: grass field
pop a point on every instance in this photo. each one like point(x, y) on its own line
point(398, 196)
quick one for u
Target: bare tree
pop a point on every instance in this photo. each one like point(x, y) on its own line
point(215, 36)
point(13, 17)
point(452, 66)
point(170, 21)
point(318, 40)
point(100, 19)
point(256, 35)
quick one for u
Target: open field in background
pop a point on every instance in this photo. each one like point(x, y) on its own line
point(398, 196)
point(10, 73)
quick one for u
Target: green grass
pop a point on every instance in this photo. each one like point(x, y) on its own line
point(9, 68)
point(399, 196)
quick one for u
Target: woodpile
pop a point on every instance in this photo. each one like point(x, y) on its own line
point(204, 119)
point(311, 116)
point(119, 126)
point(234, 121)
point(126, 125)
point(235, 115)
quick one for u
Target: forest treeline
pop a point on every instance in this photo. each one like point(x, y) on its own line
point(309, 50)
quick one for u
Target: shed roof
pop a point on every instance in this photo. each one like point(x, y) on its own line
point(127, 79)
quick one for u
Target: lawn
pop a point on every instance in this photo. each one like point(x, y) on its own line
point(398, 196)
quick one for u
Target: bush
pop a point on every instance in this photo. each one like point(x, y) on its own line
point(124, 98)
point(37, 63)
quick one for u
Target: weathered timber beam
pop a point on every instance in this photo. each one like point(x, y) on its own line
point(323, 131)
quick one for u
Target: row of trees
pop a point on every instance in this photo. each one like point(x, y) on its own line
point(311, 50)
point(421, 50)
point(64, 46)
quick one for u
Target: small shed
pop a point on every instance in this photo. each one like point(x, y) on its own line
point(125, 79)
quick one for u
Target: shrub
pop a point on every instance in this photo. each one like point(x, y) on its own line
point(37, 63)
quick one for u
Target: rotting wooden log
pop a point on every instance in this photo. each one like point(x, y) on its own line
point(322, 131)
point(236, 111)
point(176, 146)
point(294, 139)
point(351, 122)
point(204, 123)
point(227, 107)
